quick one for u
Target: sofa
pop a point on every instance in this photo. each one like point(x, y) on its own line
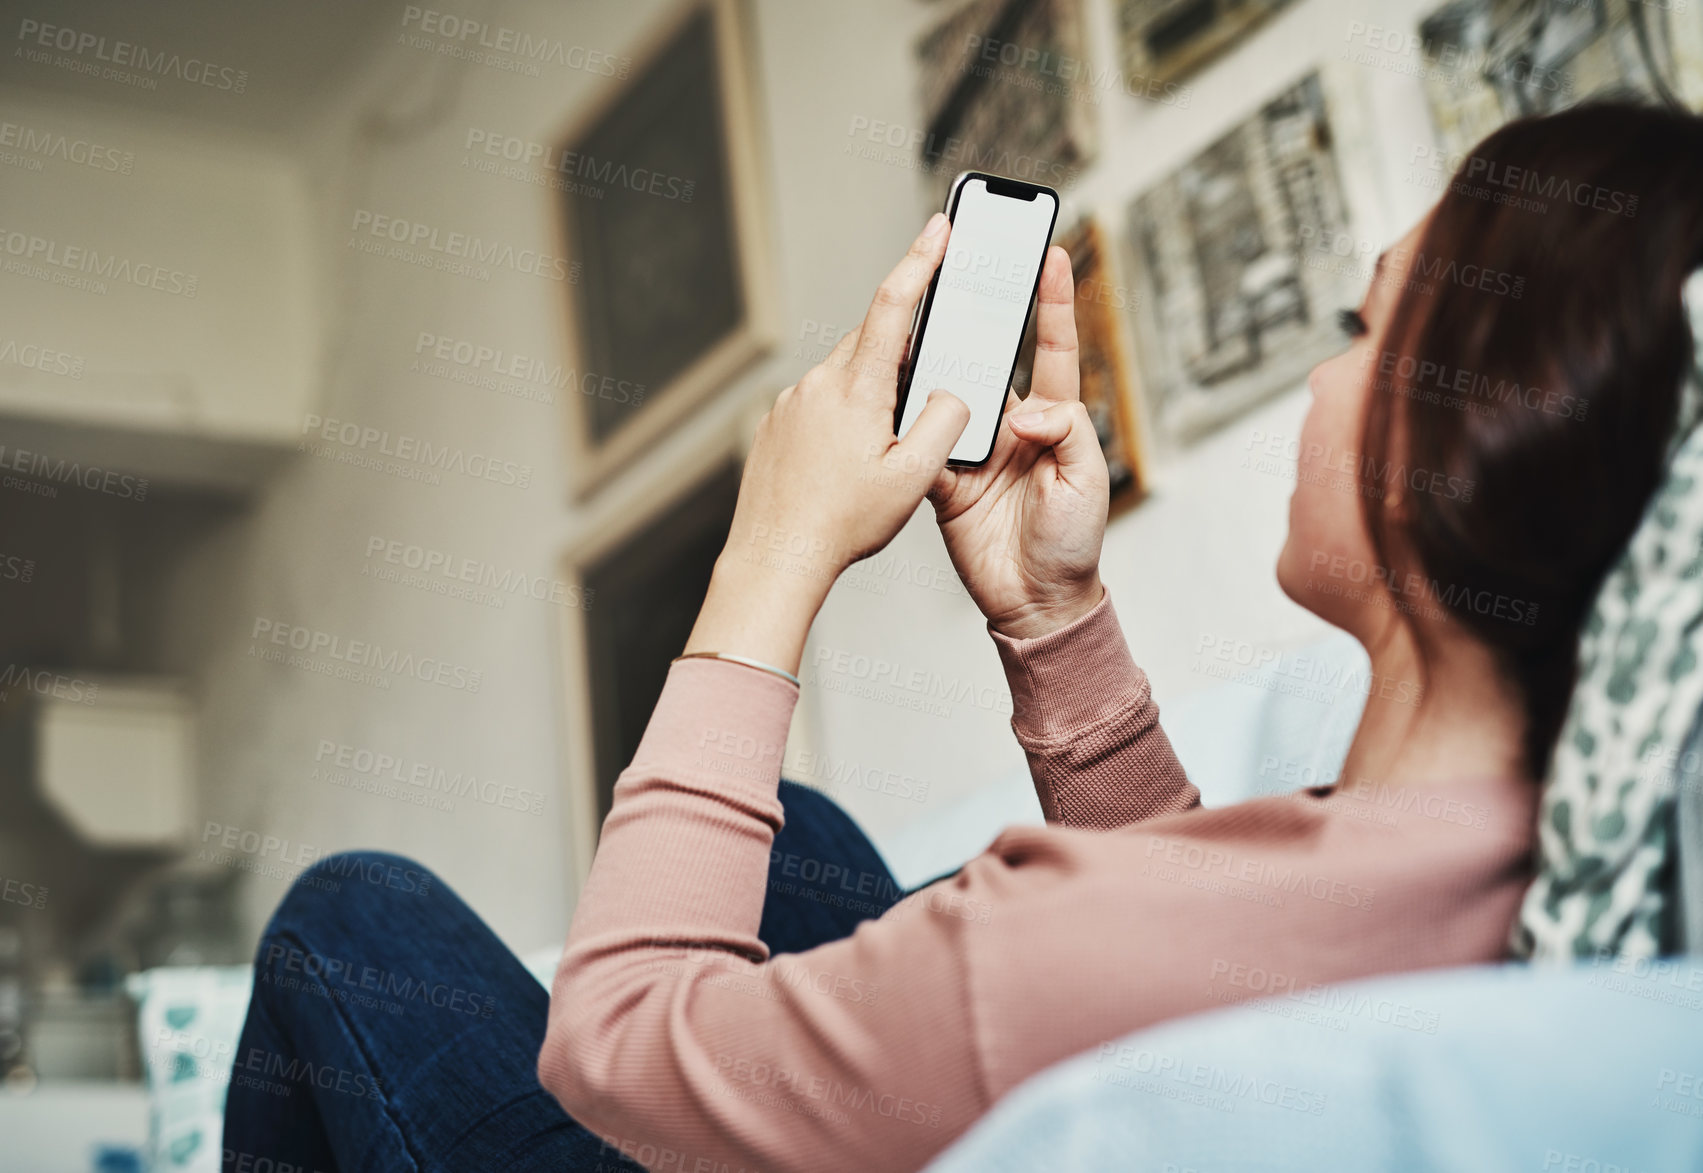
point(1594, 1069)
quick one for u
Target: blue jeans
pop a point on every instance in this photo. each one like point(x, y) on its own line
point(391, 1030)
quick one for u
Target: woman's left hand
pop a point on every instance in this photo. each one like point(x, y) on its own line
point(826, 483)
point(1025, 528)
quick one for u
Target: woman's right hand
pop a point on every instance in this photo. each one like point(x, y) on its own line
point(1024, 530)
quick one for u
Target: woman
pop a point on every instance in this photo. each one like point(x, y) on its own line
point(677, 1038)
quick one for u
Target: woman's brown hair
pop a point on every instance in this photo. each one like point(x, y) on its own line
point(1536, 356)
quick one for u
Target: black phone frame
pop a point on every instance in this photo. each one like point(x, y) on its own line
point(997, 185)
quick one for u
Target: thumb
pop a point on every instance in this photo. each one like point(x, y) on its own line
point(1066, 429)
point(931, 437)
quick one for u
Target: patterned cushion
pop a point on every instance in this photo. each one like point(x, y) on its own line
point(189, 1021)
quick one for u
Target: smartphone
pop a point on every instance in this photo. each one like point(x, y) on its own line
point(970, 326)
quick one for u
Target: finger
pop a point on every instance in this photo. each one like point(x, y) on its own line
point(843, 349)
point(1067, 430)
point(1057, 373)
point(929, 442)
point(945, 484)
point(881, 347)
point(903, 358)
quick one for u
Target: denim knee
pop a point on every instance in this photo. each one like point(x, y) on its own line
point(351, 886)
point(376, 871)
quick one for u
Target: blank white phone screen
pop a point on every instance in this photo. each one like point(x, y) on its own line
point(975, 325)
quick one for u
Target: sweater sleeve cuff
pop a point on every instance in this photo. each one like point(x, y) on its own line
point(1071, 678)
point(721, 727)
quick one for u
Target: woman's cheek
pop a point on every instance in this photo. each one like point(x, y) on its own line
point(1324, 518)
point(1303, 512)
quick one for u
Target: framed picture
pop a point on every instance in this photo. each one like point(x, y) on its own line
point(1236, 286)
point(1108, 389)
point(642, 569)
point(665, 212)
point(646, 595)
point(1002, 90)
point(1161, 40)
point(1490, 61)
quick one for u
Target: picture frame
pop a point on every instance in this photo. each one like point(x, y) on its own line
point(1110, 387)
point(609, 688)
point(666, 212)
point(1162, 41)
point(1236, 282)
point(1002, 88)
point(1490, 61)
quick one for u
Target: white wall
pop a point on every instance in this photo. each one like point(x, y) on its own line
point(169, 273)
point(224, 344)
point(1196, 558)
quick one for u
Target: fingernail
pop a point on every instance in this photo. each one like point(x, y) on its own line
point(936, 225)
point(1030, 420)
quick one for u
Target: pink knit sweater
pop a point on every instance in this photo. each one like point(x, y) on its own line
point(674, 1037)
